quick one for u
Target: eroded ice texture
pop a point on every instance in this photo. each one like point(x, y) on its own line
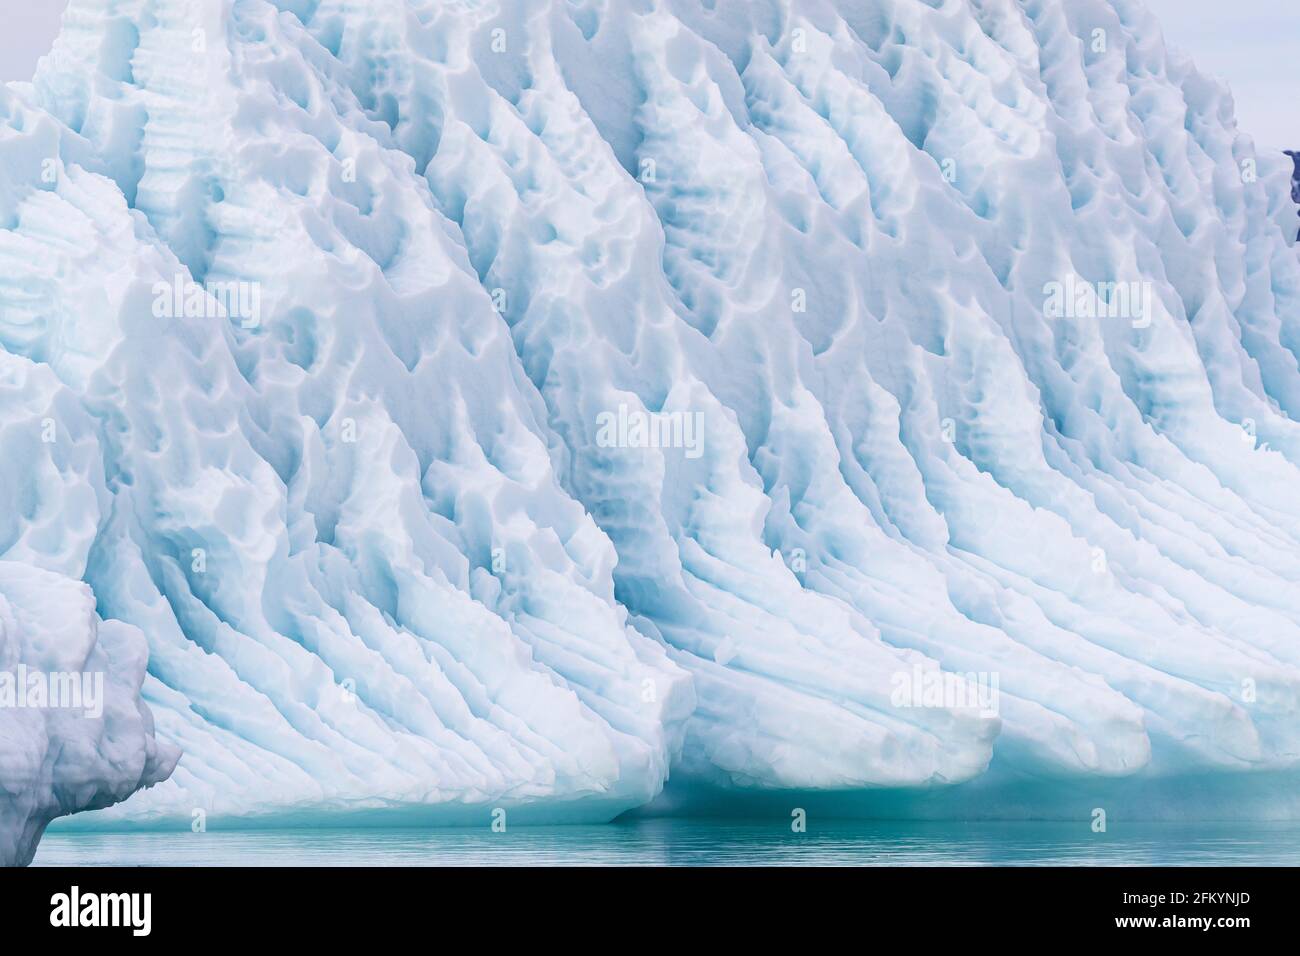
point(74, 734)
point(386, 559)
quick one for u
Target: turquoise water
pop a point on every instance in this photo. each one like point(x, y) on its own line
point(678, 842)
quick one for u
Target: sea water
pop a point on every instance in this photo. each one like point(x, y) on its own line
point(695, 842)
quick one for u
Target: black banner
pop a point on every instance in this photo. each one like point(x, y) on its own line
point(930, 907)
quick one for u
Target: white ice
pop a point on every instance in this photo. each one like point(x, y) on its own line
point(389, 568)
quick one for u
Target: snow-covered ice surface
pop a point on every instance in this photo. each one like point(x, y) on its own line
point(56, 758)
point(393, 562)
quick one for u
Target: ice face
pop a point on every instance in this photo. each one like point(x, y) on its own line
point(497, 406)
point(324, 489)
point(76, 734)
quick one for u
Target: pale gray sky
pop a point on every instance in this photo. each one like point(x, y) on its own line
point(1252, 44)
point(27, 31)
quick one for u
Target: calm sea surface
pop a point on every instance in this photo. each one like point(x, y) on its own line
point(678, 842)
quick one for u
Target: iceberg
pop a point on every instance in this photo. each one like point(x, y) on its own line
point(76, 735)
point(507, 406)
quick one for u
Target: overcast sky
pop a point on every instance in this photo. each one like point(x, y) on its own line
point(27, 29)
point(1253, 44)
